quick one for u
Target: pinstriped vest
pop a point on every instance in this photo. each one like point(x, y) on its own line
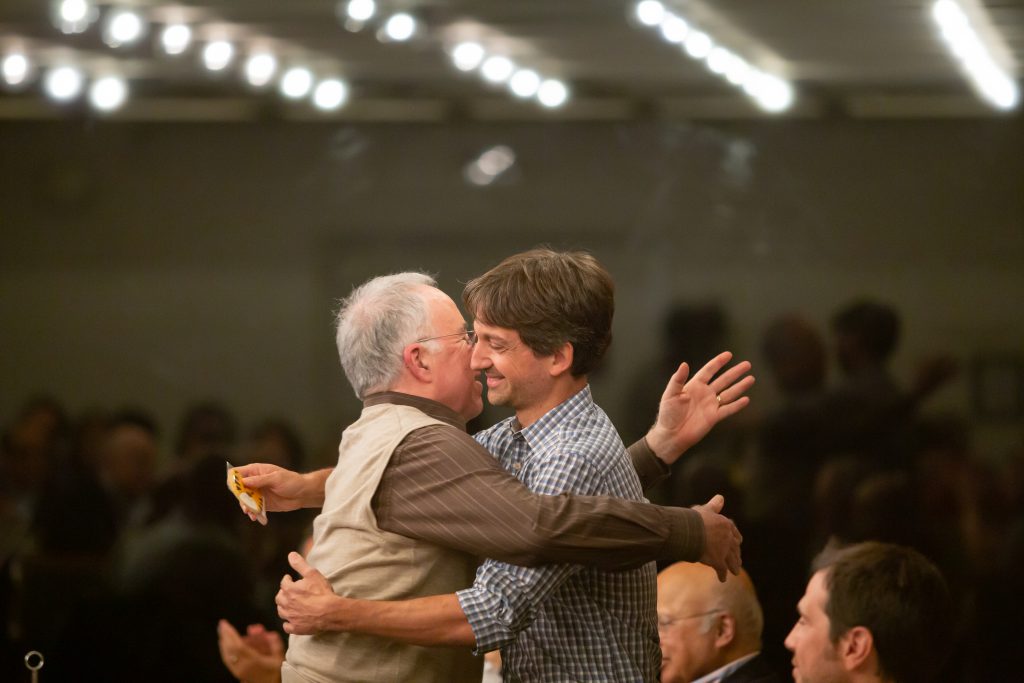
point(362, 561)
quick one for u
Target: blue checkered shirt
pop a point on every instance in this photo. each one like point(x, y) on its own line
point(566, 622)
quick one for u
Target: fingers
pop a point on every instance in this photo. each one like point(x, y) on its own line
point(255, 468)
point(729, 409)
point(727, 378)
point(258, 481)
point(716, 503)
point(734, 391)
point(276, 644)
point(299, 564)
point(677, 381)
point(227, 634)
point(712, 367)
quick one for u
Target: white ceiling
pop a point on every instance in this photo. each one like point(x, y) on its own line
point(859, 58)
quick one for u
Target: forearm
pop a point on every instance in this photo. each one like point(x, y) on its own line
point(434, 620)
point(314, 485)
point(491, 514)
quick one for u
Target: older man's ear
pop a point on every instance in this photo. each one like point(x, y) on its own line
point(726, 630)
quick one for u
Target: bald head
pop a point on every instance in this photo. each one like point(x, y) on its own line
point(704, 623)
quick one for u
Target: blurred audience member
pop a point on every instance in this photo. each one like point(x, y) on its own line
point(255, 657)
point(694, 333)
point(274, 441)
point(870, 415)
point(207, 428)
point(177, 583)
point(277, 442)
point(127, 465)
point(33, 444)
point(710, 630)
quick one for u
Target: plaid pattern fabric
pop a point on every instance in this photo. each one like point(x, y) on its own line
point(566, 622)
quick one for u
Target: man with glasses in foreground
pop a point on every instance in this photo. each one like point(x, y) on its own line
point(543, 320)
point(710, 630)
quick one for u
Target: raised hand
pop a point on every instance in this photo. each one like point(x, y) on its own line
point(691, 406)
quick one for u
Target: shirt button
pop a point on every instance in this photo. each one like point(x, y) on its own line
point(518, 466)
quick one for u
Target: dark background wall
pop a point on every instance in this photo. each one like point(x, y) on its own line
point(154, 264)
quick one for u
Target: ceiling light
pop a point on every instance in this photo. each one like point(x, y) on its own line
point(15, 68)
point(719, 60)
point(737, 71)
point(991, 81)
point(73, 16)
point(698, 44)
point(218, 54)
point(260, 68)
point(63, 83)
point(296, 82)
point(175, 38)
point(360, 10)
point(108, 93)
point(552, 93)
point(330, 94)
point(649, 12)
point(674, 29)
point(524, 83)
point(491, 164)
point(400, 27)
point(467, 56)
point(123, 27)
point(497, 69)
point(770, 92)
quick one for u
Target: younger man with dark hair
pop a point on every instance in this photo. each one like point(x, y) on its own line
point(873, 613)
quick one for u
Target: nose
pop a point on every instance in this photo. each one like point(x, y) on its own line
point(790, 641)
point(479, 360)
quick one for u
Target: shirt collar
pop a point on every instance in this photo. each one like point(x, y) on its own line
point(579, 401)
point(719, 674)
point(436, 410)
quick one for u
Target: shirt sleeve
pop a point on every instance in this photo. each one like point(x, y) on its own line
point(649, 467)
point(442, 487)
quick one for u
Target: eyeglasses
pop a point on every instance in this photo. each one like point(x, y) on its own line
point(664, 623)
point(470, 336)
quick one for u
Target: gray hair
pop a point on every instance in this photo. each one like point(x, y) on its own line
point(374, 324)
point(737, 597)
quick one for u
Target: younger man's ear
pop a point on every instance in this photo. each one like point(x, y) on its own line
point(561, 360)
point(856, 648)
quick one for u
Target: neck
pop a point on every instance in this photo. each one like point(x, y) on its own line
point(408, 385)
point(563, 389)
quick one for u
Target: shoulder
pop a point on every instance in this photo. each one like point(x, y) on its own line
point(590, 435)
point(757, 670)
